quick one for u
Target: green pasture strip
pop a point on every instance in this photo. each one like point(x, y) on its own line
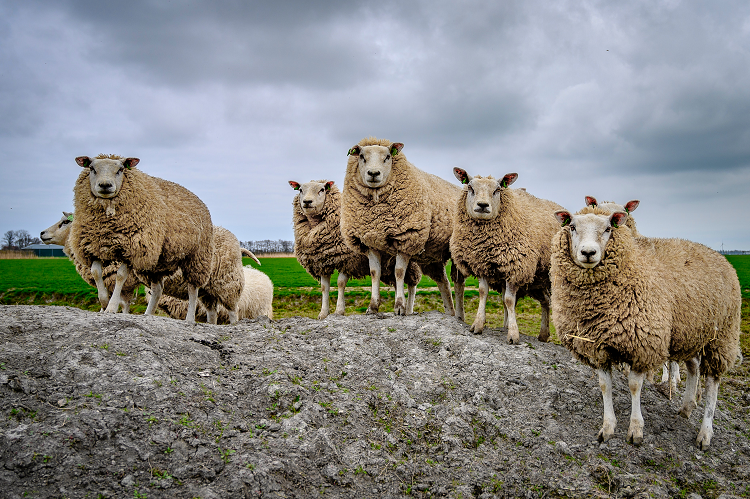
point(45, 275)
point(741, 264)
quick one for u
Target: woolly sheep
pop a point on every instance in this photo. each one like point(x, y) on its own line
point(255, 301)
point(503, 236)
point(614, 300)
point(320, 249)
point(226, 281)
point(153, 226)
point(58, 234)
point(612, 207)
point(390, 207)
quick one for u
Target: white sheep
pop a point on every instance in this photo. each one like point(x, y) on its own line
point(153, 226)
point(503, 237)
point(614, 300)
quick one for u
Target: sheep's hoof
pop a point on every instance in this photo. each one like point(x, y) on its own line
point(704, 439)
point(513, 340)
point(371, 310)
point(604, 434)
point(635, 437)
point(322, 315)
point(543, 336)
point(687, 410)
point(476, 328)
point(339, 312)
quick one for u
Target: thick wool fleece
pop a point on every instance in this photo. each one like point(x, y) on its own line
point(514, 246)
point(320, 248)
point(611, 207)
point(227, 278)
point(154, 226)
point(411, 214)
point(648, 301)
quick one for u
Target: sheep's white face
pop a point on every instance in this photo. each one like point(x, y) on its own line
point(589, 235)
point(483, 198)
point(312, 196)
point(58, 233)
point(105, 175)
point(375, 164)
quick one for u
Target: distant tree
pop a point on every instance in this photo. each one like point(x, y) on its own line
point(23, 238)
point(9, 239)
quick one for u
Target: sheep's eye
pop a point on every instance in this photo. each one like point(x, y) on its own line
point(497, 191)
point(387, 157)
point(321, 191)
point(607, 229)
point(122, 168)
point(470, 189)
point(572, 227)
point(91, 168)
point(362, 157)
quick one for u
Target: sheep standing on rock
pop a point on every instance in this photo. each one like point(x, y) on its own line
point(614, 300)
point(503, 236)
point(153, 226)
point(390, 207)
point(58, 234)
point(320, 249)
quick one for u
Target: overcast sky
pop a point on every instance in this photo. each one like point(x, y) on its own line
point(644, 100)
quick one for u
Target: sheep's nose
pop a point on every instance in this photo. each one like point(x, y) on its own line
point(588, 253)
point(105, 185)
point(483, 206)
point(373, 174)
point(307, 202)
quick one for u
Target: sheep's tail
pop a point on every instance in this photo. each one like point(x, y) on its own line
point(247, 252)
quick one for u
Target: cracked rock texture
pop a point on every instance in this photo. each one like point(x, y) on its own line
point(97, 405)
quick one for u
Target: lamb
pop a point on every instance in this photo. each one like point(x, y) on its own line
point(255, 301)
point(226, 281)
point(320, 248)
point(614, 300)
point(58, 234)
point(503, 236)
point(390, 207)
point(153, 226)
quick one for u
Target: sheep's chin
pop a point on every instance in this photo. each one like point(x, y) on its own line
point(105, 195)
point(586, 265)
point(481, 215)
point(374, 185)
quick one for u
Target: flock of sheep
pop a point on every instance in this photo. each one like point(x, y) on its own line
point(617, 297)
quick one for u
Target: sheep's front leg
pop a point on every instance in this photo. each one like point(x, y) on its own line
point(544, 330)
point(153, 302)
point(484, 288)
point(707, 427)
point(410, 300)
point(510, 303)
point(459, 287)
point(120, 278)
point(212, 315)
point(340, 301)
point(325, 287)
point(610, 421)
point(374, 258)
point(689, 397)
point(234, 315)
point(192, 303)
point(635, 431)
point(101, 289)
point(402, 261)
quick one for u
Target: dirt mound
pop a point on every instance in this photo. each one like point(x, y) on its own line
point(360, 406)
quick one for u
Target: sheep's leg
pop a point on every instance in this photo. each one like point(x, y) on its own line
point(635, 432)
point(484, 288)
point(505, 310)
point(674, 375)
point(340, 301)
point(410, 300)
point(234, 315)
point(101, 289)
point(707, 427)
point(544, 330)
point(374, 258)
point(610, 421)
point(689, 401)
point(325, 287)
point(402, 261)
point(459, 286)
point(156, 291)
point(212, 315)
point(120, 278)
point(510, 302)
point(192, 303)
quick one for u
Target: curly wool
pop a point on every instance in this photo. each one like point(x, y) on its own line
point(153, 225)
point(628, 309)
point(411, 214)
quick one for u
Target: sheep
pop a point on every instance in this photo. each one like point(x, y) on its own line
point(391, 207)
point(58, 233)
point(153, 226)
point(255, 301)
point(225, 283)
point(614, 300)
point(320, 249)
point(503, 236)
point(247, 252)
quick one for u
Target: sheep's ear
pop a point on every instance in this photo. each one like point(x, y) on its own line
point(130, 162)
point(329, 184)
point(83, 161)
point(563, 217)
point(618, 218)
point(461, 175)
point(68, 215)
point(353, 151)
point(295, 185)
point(508, 179)
point(630, 206)
point(591, 201)
point(396, 148)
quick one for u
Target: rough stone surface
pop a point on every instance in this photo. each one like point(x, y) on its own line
point(97, 405)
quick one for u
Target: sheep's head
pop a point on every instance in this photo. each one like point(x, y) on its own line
point(483, 193)
point(589, 235)
point(312, 196)
point(57, 233)
point(628, 208)
point(375, 163)
point(106, 173)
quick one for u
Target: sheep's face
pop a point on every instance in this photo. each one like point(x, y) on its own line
point(58, 233)
point(375, 163)
point(312, 196)
point(589, 235)
point(106, 174)
point(483, 196)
